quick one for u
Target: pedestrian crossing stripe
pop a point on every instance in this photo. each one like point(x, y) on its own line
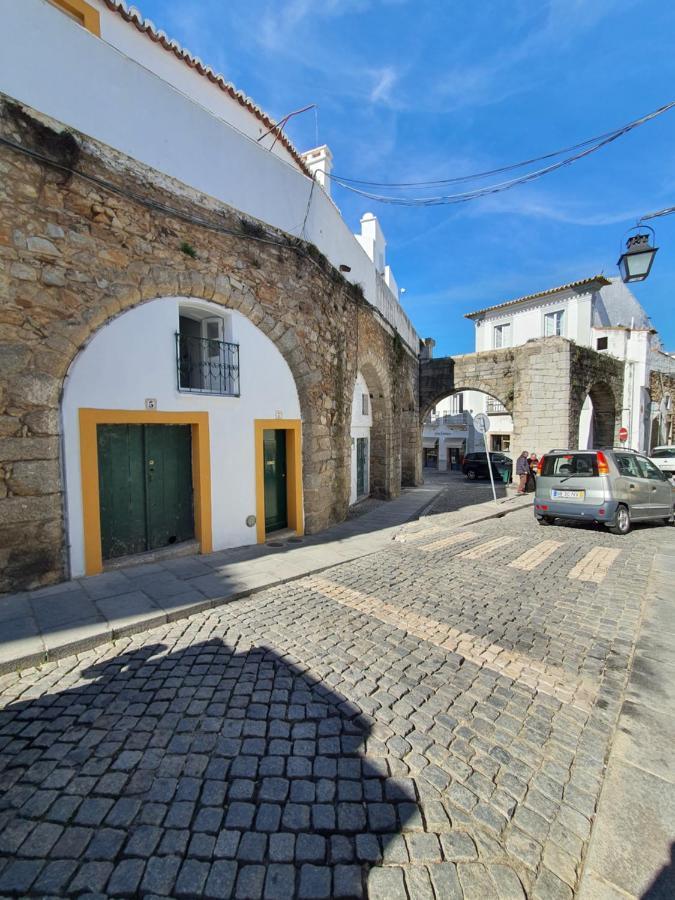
point(595, 565)
point(485, 549)
point(535, 556)
point(458, 538)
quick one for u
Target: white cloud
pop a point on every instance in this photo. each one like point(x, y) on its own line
point(385, 79)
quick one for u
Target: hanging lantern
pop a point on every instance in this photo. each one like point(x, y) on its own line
point(635, 262)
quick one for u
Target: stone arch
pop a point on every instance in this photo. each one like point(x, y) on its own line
point(597, 418)
point(383, 472)
point(411, 447)
point(222, 420)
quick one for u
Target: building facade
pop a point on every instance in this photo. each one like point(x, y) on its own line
point(180, 357)
point(598, 313)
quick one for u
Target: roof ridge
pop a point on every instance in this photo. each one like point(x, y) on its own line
point(134, 16)
point(563, 287)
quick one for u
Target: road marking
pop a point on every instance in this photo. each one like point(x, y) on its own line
point(457, 538)
point(420, 535)
point(595, 565)
point(553, 680)
point(535, 556)
point(485, 549)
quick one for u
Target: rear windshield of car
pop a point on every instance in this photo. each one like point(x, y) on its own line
point(663, 453)
point(582, 464)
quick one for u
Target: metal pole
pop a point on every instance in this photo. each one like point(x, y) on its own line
point(489, 462)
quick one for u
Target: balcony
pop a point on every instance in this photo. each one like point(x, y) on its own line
point(207, 366)
point(495, 407)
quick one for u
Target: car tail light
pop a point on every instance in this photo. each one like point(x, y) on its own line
point(540, 465)
point(543, 506)
point(603, 468)
point(601, 512)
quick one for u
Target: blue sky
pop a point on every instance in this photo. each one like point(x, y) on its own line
point(418, 89)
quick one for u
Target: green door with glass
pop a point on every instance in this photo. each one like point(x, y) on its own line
point(361, 466)
point(274, 462)
point(145, 487)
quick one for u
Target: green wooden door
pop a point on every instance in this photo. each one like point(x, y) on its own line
point(168, 469)
point(274, 459)
point(145, 487)
point(361, 466)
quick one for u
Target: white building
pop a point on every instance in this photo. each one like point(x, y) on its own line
point(596, 312)
point(98, 67)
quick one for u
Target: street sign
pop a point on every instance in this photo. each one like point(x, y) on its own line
point(623, 434)
point(481, 423)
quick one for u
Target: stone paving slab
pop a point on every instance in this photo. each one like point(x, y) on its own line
point(632, 850)
point(65, 618)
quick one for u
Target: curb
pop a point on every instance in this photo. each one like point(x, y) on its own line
point(155, 620)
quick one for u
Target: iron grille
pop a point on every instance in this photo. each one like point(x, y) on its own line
point(207, 366)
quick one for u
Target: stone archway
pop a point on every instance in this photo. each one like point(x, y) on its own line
point(597, 419)
point(411, 446)
point(384, 479)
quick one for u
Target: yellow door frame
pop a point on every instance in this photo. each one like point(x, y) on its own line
point(293, 429)
point(201, 472)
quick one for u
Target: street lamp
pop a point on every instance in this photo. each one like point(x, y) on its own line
point(635, 262)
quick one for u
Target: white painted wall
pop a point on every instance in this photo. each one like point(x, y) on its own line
point(527, 320)
point(126, 38)
point(51, 63)
point(360, 428)
point(132, 358)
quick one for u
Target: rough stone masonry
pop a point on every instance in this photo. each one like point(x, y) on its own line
point(86, 233)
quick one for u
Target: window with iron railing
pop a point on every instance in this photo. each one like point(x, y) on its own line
point(207, 365)
point(495, 406)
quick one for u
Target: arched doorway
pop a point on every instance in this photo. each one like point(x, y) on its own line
point(384, 477)
point(196, 437)
point(361, 423)
point(597, 419)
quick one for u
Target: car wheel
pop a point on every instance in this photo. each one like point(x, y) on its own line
point(545, 520)
point(471, 474)
point(621, 521)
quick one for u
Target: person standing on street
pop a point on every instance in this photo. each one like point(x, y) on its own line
point(523, 472)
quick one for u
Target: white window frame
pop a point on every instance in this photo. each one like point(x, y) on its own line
point(550, 316)
point(503, 329)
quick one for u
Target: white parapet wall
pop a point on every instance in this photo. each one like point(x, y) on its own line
point(54, 65)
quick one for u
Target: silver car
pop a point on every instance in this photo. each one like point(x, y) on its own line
point(614, 486)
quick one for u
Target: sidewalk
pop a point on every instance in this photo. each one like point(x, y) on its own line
point(73, 616)
point(632, 848)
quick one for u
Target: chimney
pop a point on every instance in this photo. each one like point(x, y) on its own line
point(319, 161)
point(427, 348)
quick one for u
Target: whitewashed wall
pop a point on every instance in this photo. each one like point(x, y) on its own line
point(51, 63)
point(527, 320)
point(360, 428)
point(132, 358)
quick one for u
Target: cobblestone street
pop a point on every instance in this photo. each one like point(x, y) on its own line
point(430, 721)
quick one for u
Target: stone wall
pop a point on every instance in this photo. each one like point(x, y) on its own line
point(78, 249)
point(542, 384)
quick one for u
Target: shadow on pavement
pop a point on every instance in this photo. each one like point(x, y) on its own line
point(663, 886)
point(197, 771)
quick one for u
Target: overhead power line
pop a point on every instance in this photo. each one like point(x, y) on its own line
point(578, 151)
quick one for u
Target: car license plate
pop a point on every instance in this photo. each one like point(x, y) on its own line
point(568, 495)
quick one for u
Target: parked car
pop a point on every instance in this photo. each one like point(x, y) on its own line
point(475, 465)
point(613, 486)
point(664, 458)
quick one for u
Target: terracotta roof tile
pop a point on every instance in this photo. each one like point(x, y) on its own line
point(572, 285)
point(145, 26)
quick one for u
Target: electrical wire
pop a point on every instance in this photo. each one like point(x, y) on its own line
point(590, 146)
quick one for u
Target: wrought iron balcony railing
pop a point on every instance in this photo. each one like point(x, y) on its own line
point(207, 366)
point(495, 406)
